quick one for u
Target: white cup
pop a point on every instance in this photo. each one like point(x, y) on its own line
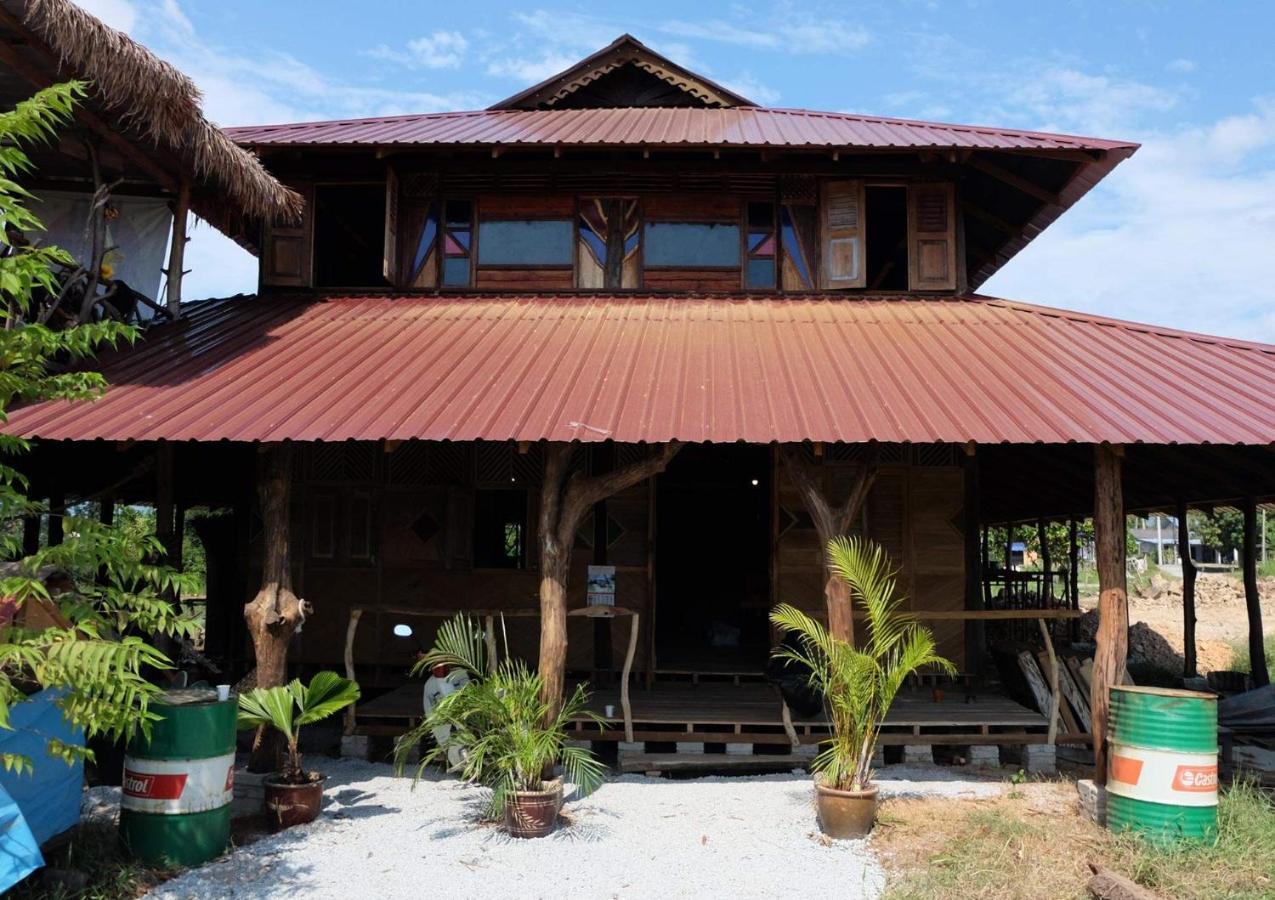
point(223, 692)
point(610, 711)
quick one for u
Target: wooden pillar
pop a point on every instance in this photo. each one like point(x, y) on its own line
point(1256, 645)
point(1188, 592)
point(1113, 600)
point(1073, 576)
point(177, 250)
point(1047, 575)
point(565, 497)
point(275, 613)
point(30, 535)
point(974, 630)
point(165, 500)
point(57, 509)
point(832, 521)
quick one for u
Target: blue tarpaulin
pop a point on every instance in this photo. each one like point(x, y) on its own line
point(48, 799)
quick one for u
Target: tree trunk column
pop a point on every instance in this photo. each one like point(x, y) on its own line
point(276, 613)
point(1113, 599)
point(1256, 646)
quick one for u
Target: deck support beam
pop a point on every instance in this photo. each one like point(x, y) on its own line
point(1256, 645)
point(1113, 598)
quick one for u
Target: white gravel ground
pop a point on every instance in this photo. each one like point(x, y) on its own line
point(635, 837)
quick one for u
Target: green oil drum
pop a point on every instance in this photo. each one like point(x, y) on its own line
point(178, 784)
point(1162, 764)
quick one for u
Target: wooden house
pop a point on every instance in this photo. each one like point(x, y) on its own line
point(629, 318)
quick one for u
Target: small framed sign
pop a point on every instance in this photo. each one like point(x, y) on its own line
point(601, 589)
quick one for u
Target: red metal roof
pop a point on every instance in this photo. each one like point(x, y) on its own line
point(654, 126)
point(645, 368)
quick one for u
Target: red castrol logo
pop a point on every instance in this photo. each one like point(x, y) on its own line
point(1195, 778)
point(177, 786)
point(1163, 776)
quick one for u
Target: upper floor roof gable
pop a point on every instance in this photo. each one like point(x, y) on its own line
point(625, 73)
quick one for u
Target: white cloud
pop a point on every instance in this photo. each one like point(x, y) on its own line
point(790, 36)
point(1179, 235)
point(531, 70)
point(120, 14)
point(440, 50)
point(1181, 65)
point(748, 86)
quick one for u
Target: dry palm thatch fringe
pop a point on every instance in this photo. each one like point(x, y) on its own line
point(163, 104)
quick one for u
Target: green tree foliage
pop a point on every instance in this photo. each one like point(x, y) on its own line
point(115, 592)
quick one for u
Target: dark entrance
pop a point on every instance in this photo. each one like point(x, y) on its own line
point(712, 563)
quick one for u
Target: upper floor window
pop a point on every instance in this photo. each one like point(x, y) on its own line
point(759, 270)
point(692, 244)
point(500, 528)
point(349, 227)
point(524, 242)
point(458, 242)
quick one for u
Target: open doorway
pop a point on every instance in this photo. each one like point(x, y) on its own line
point(712, 566)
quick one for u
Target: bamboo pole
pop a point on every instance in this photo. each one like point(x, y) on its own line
point(177, 250)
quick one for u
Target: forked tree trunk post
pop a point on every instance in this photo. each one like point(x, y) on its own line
point(830, 522)
point(1256, 646)
point(1113, 598)
point(565, 498)
point(276, 613)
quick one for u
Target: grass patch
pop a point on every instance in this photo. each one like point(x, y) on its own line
point(1240, 661)
point(1038, 845)
point(92, 866)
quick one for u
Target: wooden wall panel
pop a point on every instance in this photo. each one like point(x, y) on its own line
point(526, 206)
point(687, 207)
point(692, 279)
point(555, 279)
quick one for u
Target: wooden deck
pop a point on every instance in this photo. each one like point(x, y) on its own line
point(710, 712)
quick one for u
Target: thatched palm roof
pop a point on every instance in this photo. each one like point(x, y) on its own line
point(154, 103)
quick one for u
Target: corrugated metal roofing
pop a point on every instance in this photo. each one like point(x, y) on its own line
point(645, 368)
point(651, 126)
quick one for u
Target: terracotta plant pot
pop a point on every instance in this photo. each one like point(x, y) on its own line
point(292, 804)
point(533, 814)
point(846, 815)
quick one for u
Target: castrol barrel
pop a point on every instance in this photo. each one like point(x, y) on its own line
point(178, 783)
point(1162, 764)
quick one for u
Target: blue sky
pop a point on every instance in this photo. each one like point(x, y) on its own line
point(1183, 234)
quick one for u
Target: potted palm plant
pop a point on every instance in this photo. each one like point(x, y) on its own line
point(858, 685)
point(293, 795)
point(508, 738)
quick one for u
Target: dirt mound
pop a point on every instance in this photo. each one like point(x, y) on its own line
point(1162, 648)
point(1210, 590)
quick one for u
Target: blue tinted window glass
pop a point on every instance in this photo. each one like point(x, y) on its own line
point(691, 244)
point(456, 271)
point(761, 273)
point(535, 243)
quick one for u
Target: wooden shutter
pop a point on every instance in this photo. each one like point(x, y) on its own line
point(389, 263)
point(285, 251)
point(931, 237)
point(843, 264)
